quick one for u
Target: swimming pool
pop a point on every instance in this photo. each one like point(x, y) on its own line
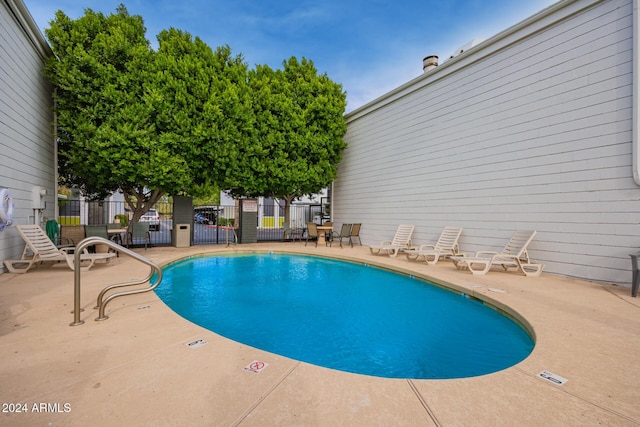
point(343, 315)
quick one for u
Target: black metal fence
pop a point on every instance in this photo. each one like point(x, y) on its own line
point(210, 225)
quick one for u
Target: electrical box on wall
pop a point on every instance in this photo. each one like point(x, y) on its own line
point(37, 197)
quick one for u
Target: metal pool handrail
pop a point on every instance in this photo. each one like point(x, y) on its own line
point(102, 302)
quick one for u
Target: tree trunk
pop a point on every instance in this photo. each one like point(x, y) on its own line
point(140, 202)
point(287, 203)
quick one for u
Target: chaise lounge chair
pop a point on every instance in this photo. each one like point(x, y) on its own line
point(446, 246)
point(39, 248)
point(514, 255)
point(401, 241)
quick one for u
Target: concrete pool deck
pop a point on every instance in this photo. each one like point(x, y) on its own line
point(136, 369)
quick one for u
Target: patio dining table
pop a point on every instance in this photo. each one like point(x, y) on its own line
point(116, 234)
point(323, 230)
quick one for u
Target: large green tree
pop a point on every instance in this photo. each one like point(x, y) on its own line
point(141, 121)
point(297, 141)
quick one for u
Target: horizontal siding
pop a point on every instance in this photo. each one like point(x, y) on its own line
point(26, 118)
point(534, 134)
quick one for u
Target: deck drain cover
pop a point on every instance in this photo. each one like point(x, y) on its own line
point(551, 377)
point(196, 343)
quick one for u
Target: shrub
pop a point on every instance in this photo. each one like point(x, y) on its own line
point(124, 219)
point(224, 222)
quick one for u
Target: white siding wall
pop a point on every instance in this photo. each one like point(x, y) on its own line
point(530, 130)
point(26, 144)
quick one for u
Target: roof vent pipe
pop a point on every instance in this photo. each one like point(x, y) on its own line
point(429, 63)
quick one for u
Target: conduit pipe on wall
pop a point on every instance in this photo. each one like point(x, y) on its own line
point(635, 110)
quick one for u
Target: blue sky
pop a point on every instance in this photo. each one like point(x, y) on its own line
point(370, 47)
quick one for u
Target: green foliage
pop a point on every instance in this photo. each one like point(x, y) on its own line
point(186, 119)
point(226, 222)
point(123, 219)
point(208, 195)
point(298, 141)
point(143, 121)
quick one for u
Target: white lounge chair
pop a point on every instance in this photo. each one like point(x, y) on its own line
point(39, 248)
point(446, 246)
point(514, 255)
point(401, 241)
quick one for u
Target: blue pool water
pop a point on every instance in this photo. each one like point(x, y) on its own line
point(343, 316)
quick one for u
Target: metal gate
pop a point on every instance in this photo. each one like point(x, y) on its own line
point(214, 224)
point(211, 224)
point(78, 212)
